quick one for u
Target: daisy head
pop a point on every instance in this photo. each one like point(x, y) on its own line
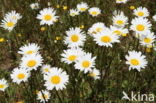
point(85, 63)
point(31, 62)
point(82, 7)
point(8, 23)
point(106, 38)
point(56, 78)
point(121, 1)
point(75, 37)
point(95, 73)
point(119, 19)
point(71, 55)
point(29, 49)
point(47, 16)
point(43, 96)
point(154, 17)
point(3, 84)
point(73, 12)
point(94, 11)
point(34, 6)
point(46, 68)
point(141, 12)
point(19, 75)
point(136, 60)
point(140, 25)
point(96, 28)
point(148, 39)
point(13, 15)
point(118, 31)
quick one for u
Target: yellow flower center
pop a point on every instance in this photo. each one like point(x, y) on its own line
point(2, 39)
point(105, 39)
point(92, 74)
point(2, 86)
point(10, 24)
point(85, 64)
point(74, 38)
point(30, 52)
point(147, 40)
point(31, 63)
point(21, 76)
point(47, 17)
point(72, 57)
point(140, 27)
point(120, 22)
point(46, 69)
point(117, 32)
point(140, 13)
point(45, 96)
point(82, 9)
point(94, 13)
point(55, 79)
point(98, 29)
point(134, 62)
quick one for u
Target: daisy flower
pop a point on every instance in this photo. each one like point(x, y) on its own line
point(73, 12)
point(43, 96)
point(46, 68)
point(3, 84)
point(75, 37)
point(85, 63)
point(106, 38)
point(13, 15)
point(95, 74)
point(154, 17)
point(8, 24)
point(136, 60)
point(56, 78)
point(82, 7)
point(19, 75)
point(94, 11)
point(29, 49)
point(140, 25)
point(141, 12)
point(121, 1)
point(47, 16)
point(119, 19)
point(31, 62)
point(34, 6)
point(148, 39)
point(70, 55)
point(96, 28)
point(118, 31)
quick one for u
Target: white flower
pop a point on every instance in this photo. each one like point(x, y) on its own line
point(121, 1)
point(13, 15)
point(154, 17)
point(95, 74)
point(141, 12)
point(34, 6)
point(71, 55)
point(75, 37)
point(19, 75)
point(8, 24)
point(119, 19)
point(47, 16)
point(106, 38)
point(31, 62)
point(46, 68)
point(29, 49)
point(81, 7)
point(118, 31)
point(136, 60)
point(94, 11)
point(96, 28)
point(56, 78)
point(3, 84)
point(73, 12)
point(85, 63)
point(43, 96)
point(140, 25)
